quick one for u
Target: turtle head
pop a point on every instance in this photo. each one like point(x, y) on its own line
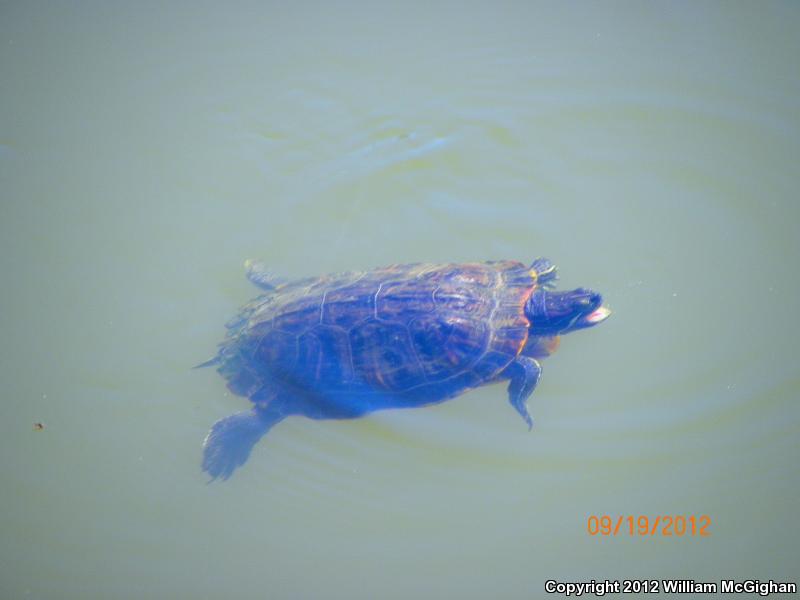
point(554, 313)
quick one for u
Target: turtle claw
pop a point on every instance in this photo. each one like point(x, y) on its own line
point(523, 410)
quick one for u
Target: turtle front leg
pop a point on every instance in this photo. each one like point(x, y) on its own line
point(524, 373)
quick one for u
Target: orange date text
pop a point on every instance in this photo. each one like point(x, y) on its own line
point(644, 525)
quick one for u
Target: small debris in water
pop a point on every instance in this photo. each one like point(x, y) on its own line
point(38, 426)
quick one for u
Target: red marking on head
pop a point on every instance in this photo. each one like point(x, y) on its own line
point(552, 344)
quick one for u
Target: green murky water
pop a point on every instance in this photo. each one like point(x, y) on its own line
point(651, 150)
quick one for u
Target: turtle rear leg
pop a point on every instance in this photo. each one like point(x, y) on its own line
point(260, 276)
point(230, 440)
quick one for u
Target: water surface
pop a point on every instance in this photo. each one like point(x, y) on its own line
point(650, 150)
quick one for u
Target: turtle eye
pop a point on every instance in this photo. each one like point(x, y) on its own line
point(589, 299)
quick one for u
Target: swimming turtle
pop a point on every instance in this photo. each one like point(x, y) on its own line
point(342, 346)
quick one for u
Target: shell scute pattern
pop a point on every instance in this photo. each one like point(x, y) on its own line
point(347, 306)
point(491, 363)
point(428, 336)
point(383, 356)
point(446, 388)
point(279, 350)
point(462, 300)
point(472, 275)
point(324, 357)
point(401, 301)
point(404, 329)
point(509, 339)
point(445, 347)
point(301, 315)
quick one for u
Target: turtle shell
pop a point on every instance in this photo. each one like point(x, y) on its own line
point(402, 335)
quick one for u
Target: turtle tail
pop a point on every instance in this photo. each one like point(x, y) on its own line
point(230, 440)
point(209, 363)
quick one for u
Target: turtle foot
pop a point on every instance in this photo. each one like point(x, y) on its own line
point(230, 440)
point(524, 373)
point(261, 277)
point(546, 272)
